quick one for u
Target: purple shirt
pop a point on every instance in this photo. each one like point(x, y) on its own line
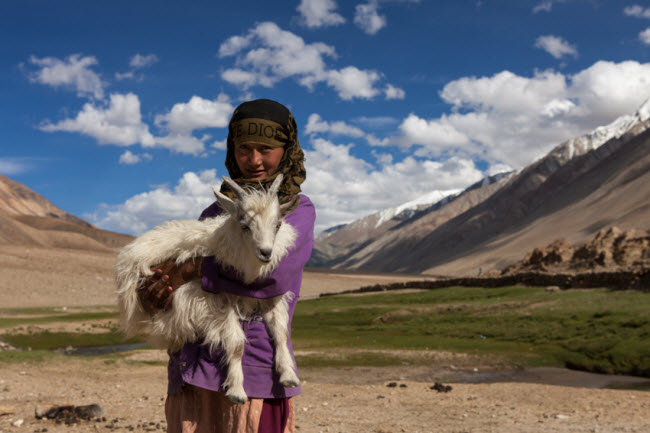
point(196, 365)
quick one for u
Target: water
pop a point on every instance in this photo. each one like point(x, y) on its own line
point(101, 350)
point(558, 376)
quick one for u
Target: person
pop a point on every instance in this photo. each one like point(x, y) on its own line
point(262, 142)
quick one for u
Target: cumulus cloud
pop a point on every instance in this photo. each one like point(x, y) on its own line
point(186, 200)
point(512, 119)
point(319, 13)
point(393, 92)
point(432, 133)
point(74, 72)
point(556, 46)
point(267, 54)
point(139, 61)
point(363, 188)
point(316, 124)
point(136, 63)
point(129, 158)
point(367, 18)
point(351, 82)
point(637, 11)
point(644, 36)
point(119, 123)
point(197, 113)
point(185, 118)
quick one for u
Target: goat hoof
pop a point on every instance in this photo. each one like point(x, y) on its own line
point(289, 382)
point(238, 398)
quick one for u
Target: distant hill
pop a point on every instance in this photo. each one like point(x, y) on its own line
point(585, 184)
point(29, 219)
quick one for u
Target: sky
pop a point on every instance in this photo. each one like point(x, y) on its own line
point(117, 111)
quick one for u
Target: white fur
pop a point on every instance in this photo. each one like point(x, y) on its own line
point(242, 238)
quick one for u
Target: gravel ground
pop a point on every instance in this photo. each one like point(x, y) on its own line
point(131, 393)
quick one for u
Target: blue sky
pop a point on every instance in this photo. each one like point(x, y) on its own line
point(116, 111)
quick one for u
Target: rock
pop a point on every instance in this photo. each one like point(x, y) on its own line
point(553, 289)
point(18, 422)
point(391, 384)
point(69, 414)
point(7, 410)
point(440, 387)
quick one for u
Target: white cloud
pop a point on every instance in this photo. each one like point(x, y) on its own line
point(197, 113)
point(139, 61)
point(367, 18)
point(315, 124)
point(363, 189)
point(12, 166)
point(637, 11)
point(120, 123)
point(319, 13)
point(351, 82)
point(393, 92)
point(220, 144)
point(644, 36)
point(184, 118)
point(511, 119)
point(186, 200)
point(129, 158)
point(545, 6)
point(74, 72)
point(268, 54)
point(136, 63)
point(556, 46)
point(432, 133)
point(181, 143)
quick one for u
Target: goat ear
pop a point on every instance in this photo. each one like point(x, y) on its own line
point(275, 186)
point(285, 208)
point(236, 188)
point(225, 202)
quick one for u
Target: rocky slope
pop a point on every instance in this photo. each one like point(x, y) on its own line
point(610, 250)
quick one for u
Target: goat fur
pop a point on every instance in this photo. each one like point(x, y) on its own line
point(195, 313)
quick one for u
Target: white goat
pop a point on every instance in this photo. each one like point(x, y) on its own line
point(250, 237)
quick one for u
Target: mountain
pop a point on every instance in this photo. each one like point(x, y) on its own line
point(29, 219)
point(583, 185)
point(341, 245)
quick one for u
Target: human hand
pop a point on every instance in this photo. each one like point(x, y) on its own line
point(157, 291)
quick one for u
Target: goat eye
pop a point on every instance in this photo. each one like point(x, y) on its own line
point(277, 226)
point(244, 227)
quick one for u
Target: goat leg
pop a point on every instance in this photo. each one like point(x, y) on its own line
point(232, 341)
point(277, 321)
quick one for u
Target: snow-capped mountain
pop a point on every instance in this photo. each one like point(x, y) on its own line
point(582, 185)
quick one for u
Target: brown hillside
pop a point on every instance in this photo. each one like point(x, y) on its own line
point(17, 199)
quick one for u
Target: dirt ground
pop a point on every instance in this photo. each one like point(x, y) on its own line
point(131, 394)
point(131, 391)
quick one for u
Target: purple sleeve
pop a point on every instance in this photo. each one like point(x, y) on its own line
point(286, 276)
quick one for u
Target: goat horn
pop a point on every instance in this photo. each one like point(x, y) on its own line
point(275, 186)
point(236, 188)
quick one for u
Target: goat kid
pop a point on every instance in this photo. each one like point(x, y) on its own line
point(252, 238)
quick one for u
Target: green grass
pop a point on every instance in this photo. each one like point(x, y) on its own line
point(595, 330)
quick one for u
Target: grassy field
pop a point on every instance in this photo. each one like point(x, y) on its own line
point(595, 330)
